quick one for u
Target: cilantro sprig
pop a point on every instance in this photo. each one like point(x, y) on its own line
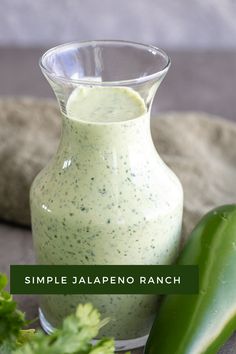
point(74, 337)
point(11, 321)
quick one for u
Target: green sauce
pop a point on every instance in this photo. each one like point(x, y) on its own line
point(106, 198)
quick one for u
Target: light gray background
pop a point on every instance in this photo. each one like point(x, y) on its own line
point(168, 23)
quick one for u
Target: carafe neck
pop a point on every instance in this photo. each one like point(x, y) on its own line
point(92, 138)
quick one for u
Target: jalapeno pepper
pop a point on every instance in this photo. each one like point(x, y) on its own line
point(201, 324)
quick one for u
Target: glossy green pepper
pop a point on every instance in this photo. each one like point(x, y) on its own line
point(201, 324)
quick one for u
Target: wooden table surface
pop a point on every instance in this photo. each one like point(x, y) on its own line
point(203, 81)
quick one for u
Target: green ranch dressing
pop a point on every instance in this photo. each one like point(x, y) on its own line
point(106, 198)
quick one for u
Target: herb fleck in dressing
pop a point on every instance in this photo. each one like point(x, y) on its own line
point(106, 198)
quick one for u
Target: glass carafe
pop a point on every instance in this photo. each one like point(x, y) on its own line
point(106, 197)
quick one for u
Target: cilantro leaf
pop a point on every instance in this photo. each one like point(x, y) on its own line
point(105, 345)
point(74, 337)
point(11, 319)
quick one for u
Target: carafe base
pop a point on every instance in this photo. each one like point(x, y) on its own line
point(120, 345)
